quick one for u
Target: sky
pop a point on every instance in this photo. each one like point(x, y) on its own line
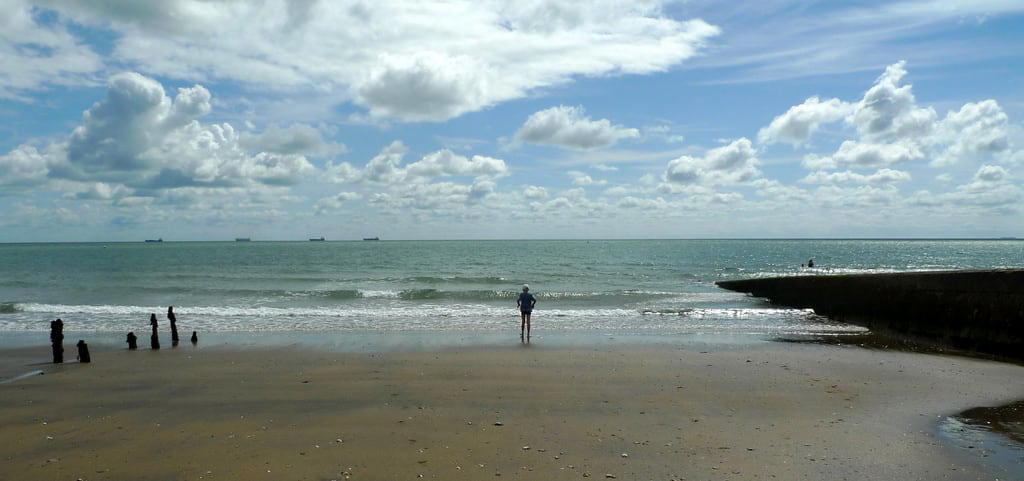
point(283, 120)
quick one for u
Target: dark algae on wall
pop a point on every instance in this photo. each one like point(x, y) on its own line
point(976, 310)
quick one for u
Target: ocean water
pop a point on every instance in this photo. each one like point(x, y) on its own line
point(647, 286)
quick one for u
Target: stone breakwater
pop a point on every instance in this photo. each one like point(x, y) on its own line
point(980, 311)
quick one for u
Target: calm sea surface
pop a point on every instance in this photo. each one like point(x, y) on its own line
point(646, 286)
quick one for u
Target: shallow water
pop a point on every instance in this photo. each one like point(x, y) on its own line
point(649, 286)
point(992, 436)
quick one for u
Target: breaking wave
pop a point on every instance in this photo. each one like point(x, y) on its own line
point(32, 316)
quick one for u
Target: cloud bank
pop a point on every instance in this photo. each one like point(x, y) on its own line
point(405, 60)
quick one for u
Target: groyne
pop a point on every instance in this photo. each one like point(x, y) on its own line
point(980, 311)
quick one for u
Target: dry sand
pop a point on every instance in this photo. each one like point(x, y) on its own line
point(772, 411)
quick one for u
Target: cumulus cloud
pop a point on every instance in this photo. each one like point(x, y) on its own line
point(730, 164)
point(990, 188)
point(386, 167)
point(139, 137)
point(301, 139)
point(976, 129)
point(893, 129)
point(889, 110)
point(882, 176)
point(867, 154)
point(570, 128)
point(800, 121)
point(990, 174)
point(334, 202)
point(775, 190)
point(445, 162)
point(581, 179)
point(437, 196)
point(534, 192)
point(24, 166)
point(647, 204)
point(407, 60)
point(101, 191)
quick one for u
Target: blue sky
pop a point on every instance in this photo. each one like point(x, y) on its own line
point(207, 120)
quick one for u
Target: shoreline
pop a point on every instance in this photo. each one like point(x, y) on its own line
point(677, 411)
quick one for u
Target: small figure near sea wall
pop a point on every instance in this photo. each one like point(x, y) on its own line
point(154, 339)
point(195, 338)
point(174, 325)
point(57, 340)
point(83, 351)
point(132, 340)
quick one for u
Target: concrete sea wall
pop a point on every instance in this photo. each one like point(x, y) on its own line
point(980, 311)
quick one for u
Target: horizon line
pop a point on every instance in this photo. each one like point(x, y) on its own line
point(1009, 238)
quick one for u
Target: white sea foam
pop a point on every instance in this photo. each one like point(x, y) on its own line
point(31, 316)
point(383, 294)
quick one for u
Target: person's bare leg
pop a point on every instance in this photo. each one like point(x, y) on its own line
point(527, 326)
point(522, 326)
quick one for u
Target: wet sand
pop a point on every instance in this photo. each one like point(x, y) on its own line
point(765, 411)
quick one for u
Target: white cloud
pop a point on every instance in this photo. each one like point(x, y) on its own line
point(386, 167)
point(647, 204)
point(975, 130)
point(617, 190)
point(408, 60)
point(24, 166)
point(606, 168)
point(730, 164)
point(101, 191)
point(300, 139)
point(662, 132)
point(866, 154)
point(864, 196)
point(581, 179)
point(893, 129)
point(445, 162)
point(334, 202)
point(775, 190)
point(437, 197)
point(990, 174)
point(35, 54)
point(139, 137)
point(568, 127)
point(534, 192)
point(889, 111)
point(882, 176)
point(800, 121)
point(817, 162)
point(990, 188)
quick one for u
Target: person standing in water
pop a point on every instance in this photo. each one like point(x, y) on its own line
point(525, 302)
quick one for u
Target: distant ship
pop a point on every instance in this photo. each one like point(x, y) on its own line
point(155, 240)
point(242, 239)
point(321, 239)
point(371, 238)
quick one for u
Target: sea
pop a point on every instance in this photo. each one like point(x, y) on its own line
point(658, 287)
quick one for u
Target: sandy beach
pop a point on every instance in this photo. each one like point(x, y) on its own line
point(659, 412)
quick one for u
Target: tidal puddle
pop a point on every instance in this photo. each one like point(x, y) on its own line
point(993, 436)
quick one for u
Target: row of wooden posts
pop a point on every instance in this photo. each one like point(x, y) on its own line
point(57, 338)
